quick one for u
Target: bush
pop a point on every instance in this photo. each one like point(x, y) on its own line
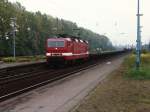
point(23, 59)
point(145, 59)
point(8, 59)
point(144, 51)
point(144, 70)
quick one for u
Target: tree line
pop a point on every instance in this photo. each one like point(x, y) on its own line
point(34, 28)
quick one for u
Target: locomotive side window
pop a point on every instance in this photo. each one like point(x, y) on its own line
point(56, 44)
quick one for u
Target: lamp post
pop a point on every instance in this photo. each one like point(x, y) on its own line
point(138, 45)
point(14, 29)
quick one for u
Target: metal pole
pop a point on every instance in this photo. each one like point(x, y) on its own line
point(57, 27)
point(14, 46)
point(138, 37)
point(149, 46)
point(13, 23)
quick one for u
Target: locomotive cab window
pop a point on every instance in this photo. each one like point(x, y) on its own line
point(56, 44)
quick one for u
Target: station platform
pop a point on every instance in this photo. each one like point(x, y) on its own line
point(13, 64)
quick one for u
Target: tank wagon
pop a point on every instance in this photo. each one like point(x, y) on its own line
point(66, 49)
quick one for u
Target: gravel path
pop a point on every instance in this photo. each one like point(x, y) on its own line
point(64, 95)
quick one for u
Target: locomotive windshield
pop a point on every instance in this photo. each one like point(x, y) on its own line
point(55, 43)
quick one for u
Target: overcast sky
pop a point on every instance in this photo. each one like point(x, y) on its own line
point(114, 18)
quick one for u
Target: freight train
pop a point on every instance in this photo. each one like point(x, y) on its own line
point(66, 48)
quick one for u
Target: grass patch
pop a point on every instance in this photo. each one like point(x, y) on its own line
point(23, 59)
point(144, 70)
point(119, 93)
point(138, 74)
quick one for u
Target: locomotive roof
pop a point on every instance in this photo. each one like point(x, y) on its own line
point(63, 36)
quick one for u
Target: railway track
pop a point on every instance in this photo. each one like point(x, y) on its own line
point(14, 85)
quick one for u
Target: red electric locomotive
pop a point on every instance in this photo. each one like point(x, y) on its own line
point(66, 49)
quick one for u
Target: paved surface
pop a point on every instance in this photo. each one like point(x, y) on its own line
point(64, 95)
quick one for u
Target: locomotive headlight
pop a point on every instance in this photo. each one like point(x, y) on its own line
point(48, 54)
